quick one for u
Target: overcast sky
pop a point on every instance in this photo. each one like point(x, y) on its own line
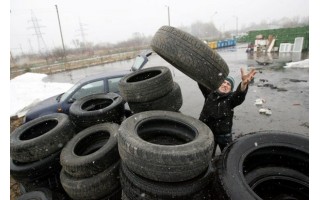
point(117, 20)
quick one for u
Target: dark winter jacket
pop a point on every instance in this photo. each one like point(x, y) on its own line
point(217, 112)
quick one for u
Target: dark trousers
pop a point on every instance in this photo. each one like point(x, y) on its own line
point(221, 140)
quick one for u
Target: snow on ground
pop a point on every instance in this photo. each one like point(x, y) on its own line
point(28, 89)
point(299, 64)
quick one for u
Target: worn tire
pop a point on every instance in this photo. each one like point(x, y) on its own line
point(51, 182)
point(170, 102)
point(31, 171)
point(40, 137)
point(97, 108)
point(95, 187)
point(191, 56)
point(91, 151)
point(278, 183)
point(134, 186)
point(165, 146)
point(146, 84)
point(38, 194)
point(254, 151)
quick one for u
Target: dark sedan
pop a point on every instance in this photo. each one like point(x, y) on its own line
point(95, 84)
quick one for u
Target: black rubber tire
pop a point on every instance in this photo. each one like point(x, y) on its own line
point(253, 151)
point(123, 195)
point(146, 84)
point(97, 108)
point(91, 151)
point(52, 182)
point(136, 187)
point(276, 182)
point(39, 194)
point(35, 170)
point(40, 137)
point(165, 146)
point(170, 102)
point(191, 56)
point(95, 187)
point(116, 195)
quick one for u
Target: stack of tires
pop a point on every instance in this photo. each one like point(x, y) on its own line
point(151, 89)
point(165, 155)
point(96, 109)
point(90, 164)
point(35, 152)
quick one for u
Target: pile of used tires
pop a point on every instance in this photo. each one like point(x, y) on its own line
point(96, 152)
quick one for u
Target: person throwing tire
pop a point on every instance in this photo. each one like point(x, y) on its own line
point(217, 111)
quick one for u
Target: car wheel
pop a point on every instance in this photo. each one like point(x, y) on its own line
point(40, 137)
point(165, 146)
point(191, 56)
point(253, 152)
point(91, 151)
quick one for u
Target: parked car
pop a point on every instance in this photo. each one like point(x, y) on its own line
point(95, 84)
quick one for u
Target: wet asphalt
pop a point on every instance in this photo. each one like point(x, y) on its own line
point(285, 91)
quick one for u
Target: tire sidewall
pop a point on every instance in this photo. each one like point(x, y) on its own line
point(230, 163)
point(95, 162)
point(194, 155)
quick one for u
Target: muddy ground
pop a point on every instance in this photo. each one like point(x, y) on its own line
point(14, 186)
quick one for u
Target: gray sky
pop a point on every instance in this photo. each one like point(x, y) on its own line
point(117, 20)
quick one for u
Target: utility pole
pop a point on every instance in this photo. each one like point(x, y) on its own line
point(168, 14)
point(64, 51)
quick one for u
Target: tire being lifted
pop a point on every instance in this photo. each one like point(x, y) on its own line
point(191, 56)
point(257, 153)
point(165, 146)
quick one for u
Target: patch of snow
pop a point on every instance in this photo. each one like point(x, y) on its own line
point(299, 64)
point(29, 89)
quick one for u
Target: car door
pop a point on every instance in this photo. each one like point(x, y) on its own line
point(94, 87)
point(113, 84)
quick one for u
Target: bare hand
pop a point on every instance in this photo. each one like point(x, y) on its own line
point(246, 77)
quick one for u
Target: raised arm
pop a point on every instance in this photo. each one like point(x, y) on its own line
point(246, 78)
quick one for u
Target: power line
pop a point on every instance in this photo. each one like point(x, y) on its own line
point(42, 47)
point(83, 34)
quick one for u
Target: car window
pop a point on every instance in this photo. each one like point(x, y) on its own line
point(89, 89)
point(113, 84)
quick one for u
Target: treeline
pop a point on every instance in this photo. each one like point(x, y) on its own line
point(202, 30)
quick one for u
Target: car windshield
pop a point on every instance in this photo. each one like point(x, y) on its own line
point(67, 93)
